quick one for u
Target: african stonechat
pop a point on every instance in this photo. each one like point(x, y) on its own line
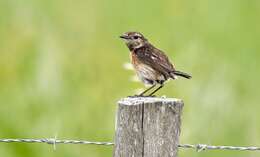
point(152, 66)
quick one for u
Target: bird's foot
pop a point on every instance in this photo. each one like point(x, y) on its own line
point(151, 96)
point(142, 96)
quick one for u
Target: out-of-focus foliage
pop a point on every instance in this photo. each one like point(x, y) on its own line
point(61, 70)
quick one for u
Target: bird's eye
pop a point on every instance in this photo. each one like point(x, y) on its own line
point(136, 37)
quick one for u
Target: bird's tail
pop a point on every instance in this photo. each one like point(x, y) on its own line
point(179, 73)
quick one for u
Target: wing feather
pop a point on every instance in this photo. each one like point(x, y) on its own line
point(156, 59)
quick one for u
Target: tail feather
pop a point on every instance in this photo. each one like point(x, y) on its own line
point(182, 74)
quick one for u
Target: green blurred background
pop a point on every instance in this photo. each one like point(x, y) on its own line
point(61, 70)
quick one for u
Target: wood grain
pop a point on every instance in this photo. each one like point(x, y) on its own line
point(148, 127)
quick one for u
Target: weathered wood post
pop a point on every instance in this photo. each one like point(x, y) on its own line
point(148, 127)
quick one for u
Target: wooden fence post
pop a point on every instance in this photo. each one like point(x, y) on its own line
point(148, 127)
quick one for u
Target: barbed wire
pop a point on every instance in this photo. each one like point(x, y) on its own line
point(201, 147)
point(54, 142)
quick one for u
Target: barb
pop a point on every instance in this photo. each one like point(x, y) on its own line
point(201, 147)
point(54, 142)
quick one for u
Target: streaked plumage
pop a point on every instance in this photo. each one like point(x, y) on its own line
point(151, 64)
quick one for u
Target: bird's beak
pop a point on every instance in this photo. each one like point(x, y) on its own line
point(124, 36)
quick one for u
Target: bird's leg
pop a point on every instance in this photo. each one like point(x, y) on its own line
point(151, 94)
point(142, 94)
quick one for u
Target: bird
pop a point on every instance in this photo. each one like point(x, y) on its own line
point(151, 64)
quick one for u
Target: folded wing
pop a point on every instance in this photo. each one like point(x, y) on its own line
point(156, 59)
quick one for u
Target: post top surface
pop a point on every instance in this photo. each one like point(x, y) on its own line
point(140, 100)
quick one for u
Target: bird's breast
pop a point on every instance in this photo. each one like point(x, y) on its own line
point(145, 72)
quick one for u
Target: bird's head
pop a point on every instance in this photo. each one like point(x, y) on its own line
point(134, 40)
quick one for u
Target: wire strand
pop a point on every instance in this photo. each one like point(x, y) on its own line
point(54, 142)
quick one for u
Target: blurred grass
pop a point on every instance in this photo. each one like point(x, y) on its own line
point(61, 70)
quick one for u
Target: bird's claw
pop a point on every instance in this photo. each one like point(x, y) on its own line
point(140, 96)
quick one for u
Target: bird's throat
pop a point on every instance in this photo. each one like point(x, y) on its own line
point(133, 47)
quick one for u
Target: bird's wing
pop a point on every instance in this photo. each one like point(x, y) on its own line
point(156, 59)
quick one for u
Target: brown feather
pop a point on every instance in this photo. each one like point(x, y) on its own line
point(155, 58)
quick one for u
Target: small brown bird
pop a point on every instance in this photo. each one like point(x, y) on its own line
point(151, 64)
